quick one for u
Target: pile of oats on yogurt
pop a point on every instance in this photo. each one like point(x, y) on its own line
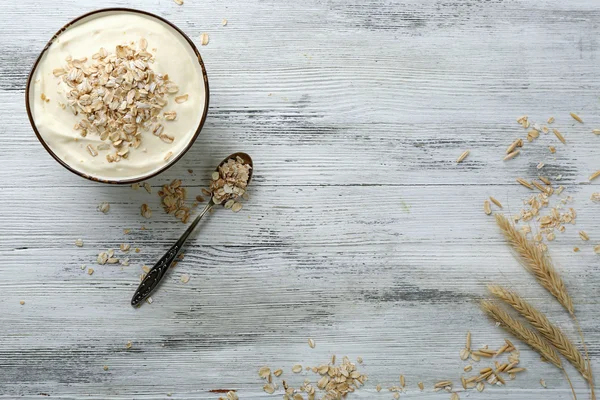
point(118, 95)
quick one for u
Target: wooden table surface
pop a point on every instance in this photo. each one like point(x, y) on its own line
point(362, 231)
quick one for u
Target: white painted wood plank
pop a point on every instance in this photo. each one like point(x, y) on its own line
point(361, 232)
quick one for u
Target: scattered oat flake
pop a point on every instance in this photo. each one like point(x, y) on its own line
point(463, 156)
point(576, 118)
point(204, 39)
point(173, 197)
point(105, 367)
point(236, 207)
point(455, 396)
point(552, 149)
point(576, 249)
point(178, 2)
point(128, 345)
point(146, 211)
point(297, 368)
point(540, 165)
point(596, 131)
point(595, 175)
point(149, 300)
point(224, 22)
point(551, 120)
point(170, 115)
point(182, 99)
point(90, 271)
point(264, 372)
point(168, 156)
point(148, 187)
point(79, 243)
point(185, 278)
point(584, 236)
point(421, 386)
point(22, 302)
point(278, 372)
point(104, 207)
point(543, 383)
point(269, 388)
point(311, 343)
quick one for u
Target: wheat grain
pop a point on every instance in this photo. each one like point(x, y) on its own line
point(536, 262)
point(545, 180)
point(495, 201)
point(594, 175)
point(541, 187)
point(463, 156)
point(514, 145)
point(559, 136)
point(525, 183)
point(576, 118)
point(511, 155)
point(539, 321)
point(487, 208)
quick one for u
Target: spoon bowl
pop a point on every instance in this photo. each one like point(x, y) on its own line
point(246, 159)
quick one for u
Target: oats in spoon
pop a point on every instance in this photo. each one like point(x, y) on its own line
point(229, 184)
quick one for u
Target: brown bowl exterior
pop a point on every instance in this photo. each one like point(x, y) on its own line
point(113, 181)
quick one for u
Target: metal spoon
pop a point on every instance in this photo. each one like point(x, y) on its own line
point(154, 276)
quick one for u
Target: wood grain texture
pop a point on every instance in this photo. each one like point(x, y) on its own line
point(362, 232)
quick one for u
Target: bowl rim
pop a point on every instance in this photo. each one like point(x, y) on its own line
point(129, 180)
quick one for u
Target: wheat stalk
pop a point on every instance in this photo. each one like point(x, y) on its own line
point(536, 262)
point(549, 331)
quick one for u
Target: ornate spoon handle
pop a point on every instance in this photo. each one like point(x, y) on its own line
point(155, 275)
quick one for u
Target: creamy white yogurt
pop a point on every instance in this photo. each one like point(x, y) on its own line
point(173, 55)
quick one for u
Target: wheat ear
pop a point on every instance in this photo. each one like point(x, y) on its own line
point(536, 262)
point(540, 265)
point(526, 335)
point(549, 331)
